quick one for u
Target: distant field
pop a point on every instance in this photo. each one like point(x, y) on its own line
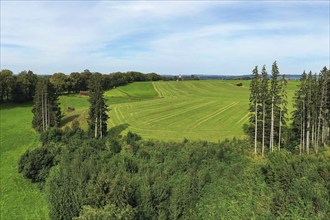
point(209, 110)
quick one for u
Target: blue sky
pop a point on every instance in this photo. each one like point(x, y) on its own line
point(167, 37)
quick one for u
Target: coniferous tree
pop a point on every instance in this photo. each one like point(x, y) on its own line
point(299, 114)
point(46, 110)
point(98, 116)
point(323, 110)
point(254, 103)
point(283, 102)
point(309, 108)
point(264, 96)
point(274, 99)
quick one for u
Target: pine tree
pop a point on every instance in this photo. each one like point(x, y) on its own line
point(309, 110)
point(98, 116)
point(46, 110)
point(283, 102)
point(274, 96)
point(323, 111)
point(254, 102)
point(299, 114)
point(264, 96)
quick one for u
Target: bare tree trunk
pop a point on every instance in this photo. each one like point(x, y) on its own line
point(255, 128)
point(301, 136)
point(46, 110)
point(312, 138)
point(271, 140)
point(263, 129)
point(308, 132)
point(95, 129)
point(101, 134)
point(279, 131)
point(42, 111)
point(304, 135)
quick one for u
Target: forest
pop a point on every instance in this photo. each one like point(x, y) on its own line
point(280, 170)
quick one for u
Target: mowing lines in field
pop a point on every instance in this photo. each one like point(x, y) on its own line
point(117, 116)
point(174, 114)
point(243, 119)
point(212, 115)
point(161, 111)
point(160, 94)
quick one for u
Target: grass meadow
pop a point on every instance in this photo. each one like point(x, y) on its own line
point(20, 199)
point(198, 110)
point(209, 110)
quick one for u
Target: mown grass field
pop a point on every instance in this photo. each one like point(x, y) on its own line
point(209, 110)
point(20, 199)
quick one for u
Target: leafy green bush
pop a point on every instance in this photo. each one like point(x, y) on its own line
point(35, 164)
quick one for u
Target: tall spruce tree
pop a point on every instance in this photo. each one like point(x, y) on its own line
point(46, 110)
point(324, 108)
point(264, 96)
point(299, 113)
point(283, 102)
point(274, 99)
point(98, 109)
point(254, 103)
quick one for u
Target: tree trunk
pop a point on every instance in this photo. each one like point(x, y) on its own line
point(279, 131)
point(301, 135)
point(95, 129)
point(308, 132)
point(263, 129)
point(101, 135)
point(271, 139)
point(42, 111)
point(255, 128)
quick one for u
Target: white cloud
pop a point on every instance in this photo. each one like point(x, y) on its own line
point(185, 37)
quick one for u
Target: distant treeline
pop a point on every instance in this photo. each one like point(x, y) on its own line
point(21, 87)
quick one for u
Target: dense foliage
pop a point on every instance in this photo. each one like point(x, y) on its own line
point(128, 178)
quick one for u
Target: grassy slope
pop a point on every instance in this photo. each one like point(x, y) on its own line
point(211, 110)
point(20, 199)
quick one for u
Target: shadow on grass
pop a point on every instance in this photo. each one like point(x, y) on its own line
point(68, 119)
point(115, 131)
point(10, 105)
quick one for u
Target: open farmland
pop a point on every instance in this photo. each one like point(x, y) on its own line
point(209, 110)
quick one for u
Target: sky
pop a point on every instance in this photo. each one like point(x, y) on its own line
point(166, 37)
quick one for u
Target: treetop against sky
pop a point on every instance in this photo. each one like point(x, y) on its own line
point(167, 37)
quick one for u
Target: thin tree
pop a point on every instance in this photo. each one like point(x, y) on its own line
point(98, 116)
point(283, 108)
point(274, 90)
point(263, 99)
point(254, 102)
point(309, 110)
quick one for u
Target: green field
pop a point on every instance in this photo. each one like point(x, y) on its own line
point(209, 110)
point(20, 199)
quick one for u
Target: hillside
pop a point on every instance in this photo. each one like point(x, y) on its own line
point(209, 110)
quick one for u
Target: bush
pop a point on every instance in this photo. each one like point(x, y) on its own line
point(132, 137)
point(35, 165)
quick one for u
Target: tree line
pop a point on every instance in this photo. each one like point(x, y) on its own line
point(21, 87)
point(269, 126)
point(47, 112)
